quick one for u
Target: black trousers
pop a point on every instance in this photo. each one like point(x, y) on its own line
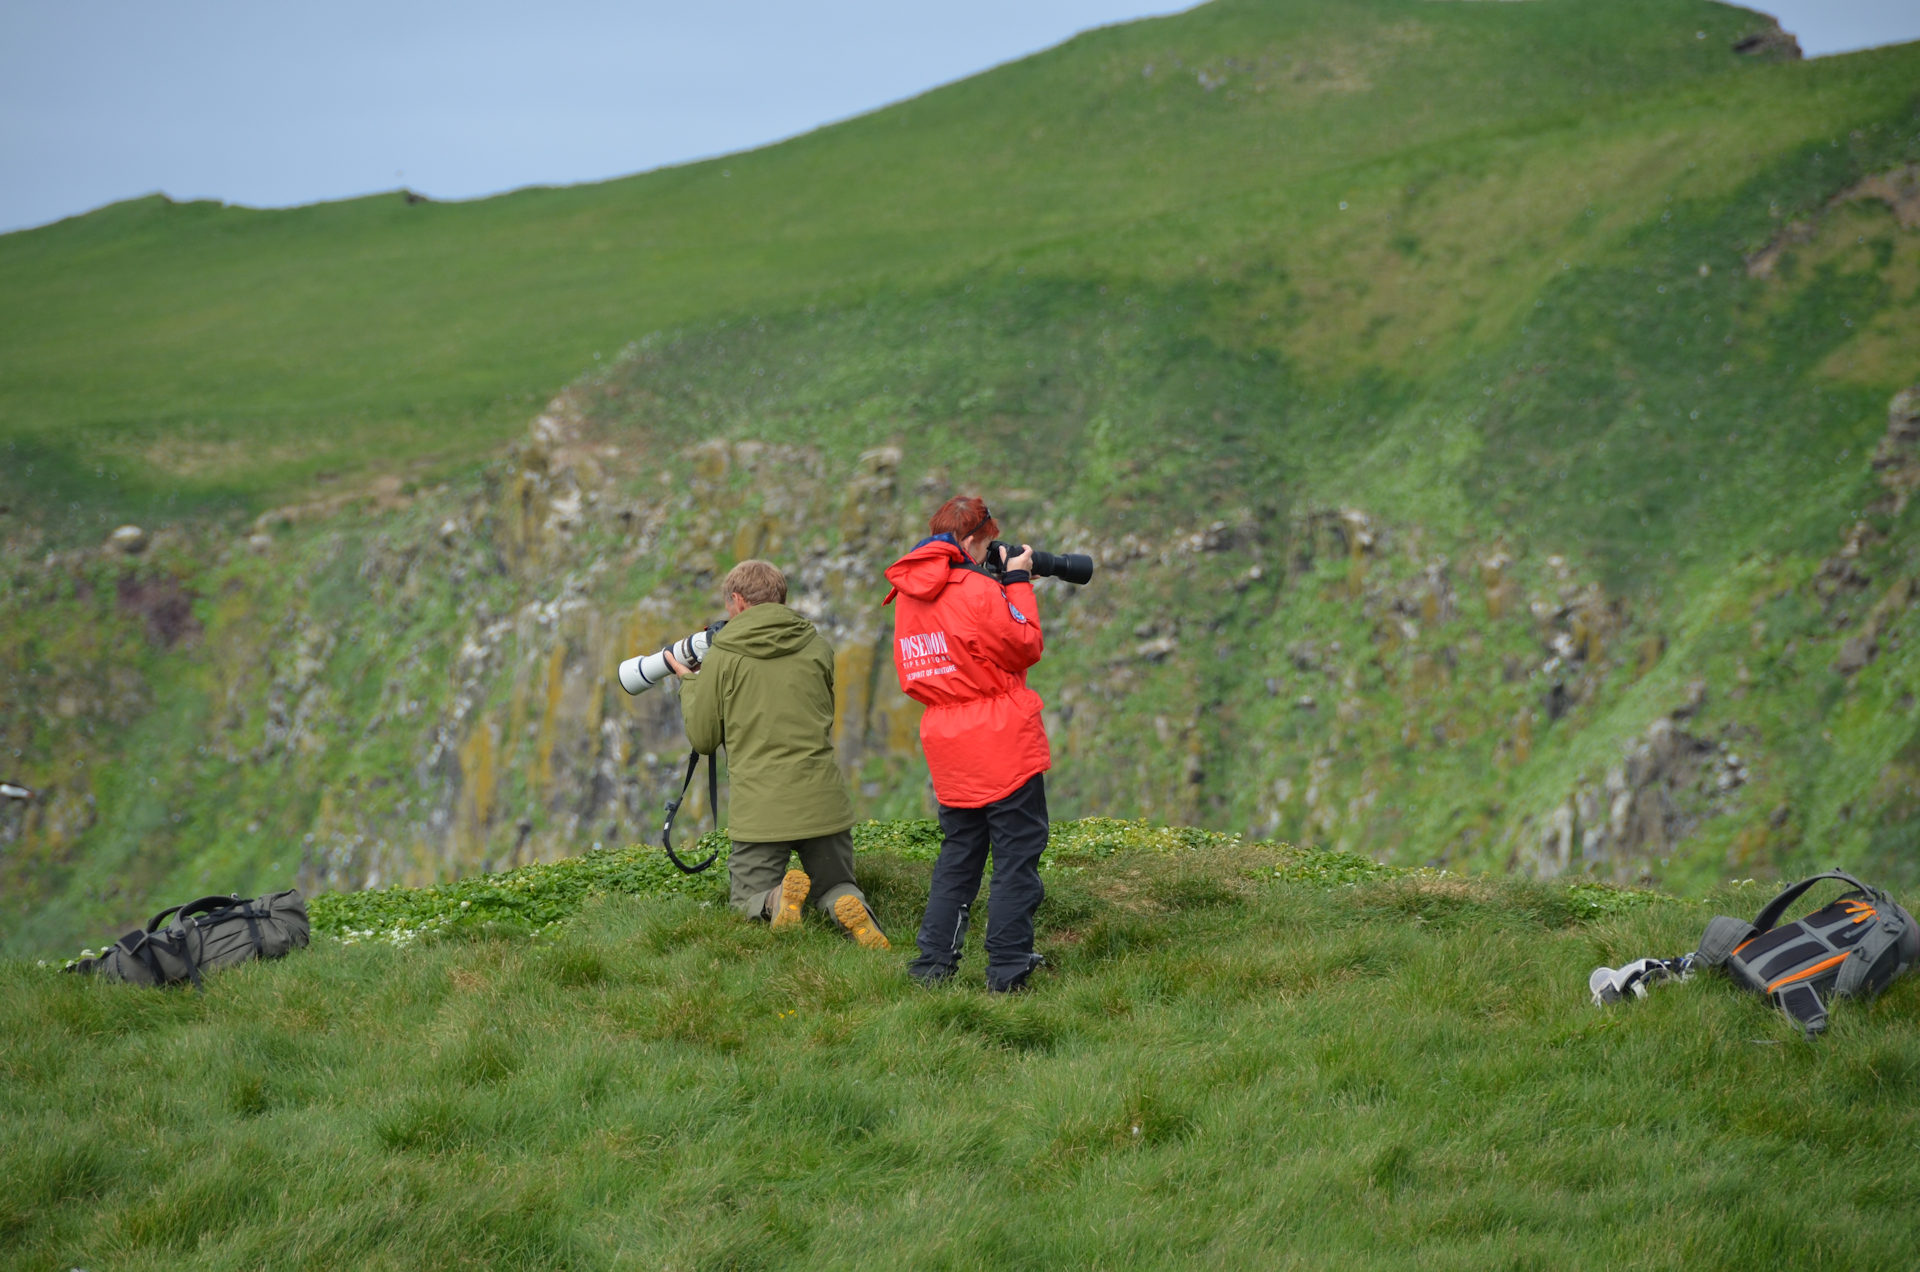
point(1014, 830)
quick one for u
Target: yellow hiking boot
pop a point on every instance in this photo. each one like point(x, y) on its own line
point(858, 921)
point(792, 899)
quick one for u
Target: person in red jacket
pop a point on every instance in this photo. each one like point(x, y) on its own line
point(962, 642)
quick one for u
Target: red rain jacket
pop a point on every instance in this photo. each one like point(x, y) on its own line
point(962, 644)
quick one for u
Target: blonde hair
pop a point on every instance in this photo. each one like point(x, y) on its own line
point(757, 582)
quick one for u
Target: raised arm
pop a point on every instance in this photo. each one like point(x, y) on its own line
point(700, 708)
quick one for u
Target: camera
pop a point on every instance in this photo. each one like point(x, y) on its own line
point(1073, 567)
point(637, 675)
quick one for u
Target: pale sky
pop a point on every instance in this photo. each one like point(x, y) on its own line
point(271, 105)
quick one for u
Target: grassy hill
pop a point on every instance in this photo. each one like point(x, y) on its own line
point(1241, 1054)
point(1485, 416)
point(210, 354)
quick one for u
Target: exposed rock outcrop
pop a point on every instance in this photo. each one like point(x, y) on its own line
point(1842, 578)
point(1896, 460)
point(1621, 827)
point(1769, 44)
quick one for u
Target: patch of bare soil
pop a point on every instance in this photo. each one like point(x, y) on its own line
point(1899, 189)
point(164, 605)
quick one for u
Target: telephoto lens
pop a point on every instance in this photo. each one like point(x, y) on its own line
point(637, 675)
point(1071, 567)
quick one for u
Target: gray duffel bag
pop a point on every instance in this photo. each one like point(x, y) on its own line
point(203, 936)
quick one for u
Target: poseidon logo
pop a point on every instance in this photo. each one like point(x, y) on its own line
point(925, 654)
point(924, 645)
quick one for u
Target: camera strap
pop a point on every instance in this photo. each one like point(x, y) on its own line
point(974, 567)
point(673, 810)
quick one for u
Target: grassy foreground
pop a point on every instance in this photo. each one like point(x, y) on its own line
point(1233, 1061)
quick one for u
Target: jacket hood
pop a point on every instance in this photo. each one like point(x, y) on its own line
point(923, 572)
point(768, 630)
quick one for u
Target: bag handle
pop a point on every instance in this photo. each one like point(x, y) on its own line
point(213, 904)
point(204, 905)
point(673, 810)
point(1765, 920)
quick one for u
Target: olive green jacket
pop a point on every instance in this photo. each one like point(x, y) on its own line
point(765, 692)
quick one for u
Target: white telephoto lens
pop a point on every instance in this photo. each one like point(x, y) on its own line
point(637, 675)
point(630, 676)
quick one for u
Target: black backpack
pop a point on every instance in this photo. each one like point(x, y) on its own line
point(204, 935)
point(1851, 948)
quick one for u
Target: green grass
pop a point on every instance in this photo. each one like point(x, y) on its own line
point(1475, 271)
point(1220, 1065)
point(535, 898)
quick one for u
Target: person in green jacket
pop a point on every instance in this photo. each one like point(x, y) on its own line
point(765, 692)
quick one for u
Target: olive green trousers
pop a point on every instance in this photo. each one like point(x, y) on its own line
point(754, 872)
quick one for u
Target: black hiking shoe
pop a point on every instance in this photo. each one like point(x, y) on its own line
point(1016, 984)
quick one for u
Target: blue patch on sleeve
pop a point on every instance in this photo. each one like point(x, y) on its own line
point(1014, 610)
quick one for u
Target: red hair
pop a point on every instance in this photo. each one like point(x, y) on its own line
point(964, 517)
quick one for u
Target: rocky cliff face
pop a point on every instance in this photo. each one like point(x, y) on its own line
point(412, 684)
point(534, 752)
point(1629, 822)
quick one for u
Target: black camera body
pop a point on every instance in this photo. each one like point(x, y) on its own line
point(1073, 567)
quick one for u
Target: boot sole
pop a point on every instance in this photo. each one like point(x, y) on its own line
point(793, 899)
point(858, 921)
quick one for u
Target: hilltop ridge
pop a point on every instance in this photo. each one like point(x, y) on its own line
point(1135, 149)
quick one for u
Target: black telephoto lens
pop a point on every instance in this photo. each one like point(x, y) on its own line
point(1074, 567)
